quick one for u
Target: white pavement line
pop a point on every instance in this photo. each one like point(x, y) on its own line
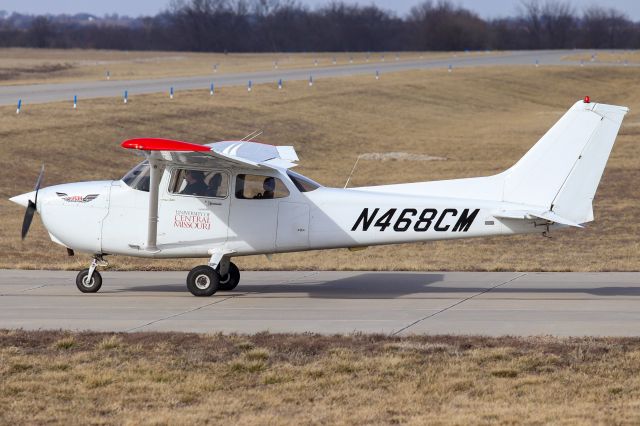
point(22, 291)
point(395, 333)
point(178, 314)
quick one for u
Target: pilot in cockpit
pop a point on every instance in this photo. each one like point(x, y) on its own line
point(195, 183)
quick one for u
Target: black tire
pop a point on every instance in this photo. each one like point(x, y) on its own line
point(84, 285)
point(203, 281)
point(231, 280)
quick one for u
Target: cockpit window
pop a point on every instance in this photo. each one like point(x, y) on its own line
point(303, 183)
point(138, 177)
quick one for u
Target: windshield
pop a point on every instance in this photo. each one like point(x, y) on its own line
point(138, 177)
point(303, 183)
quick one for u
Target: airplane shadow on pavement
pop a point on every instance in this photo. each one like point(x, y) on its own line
point(389, 285)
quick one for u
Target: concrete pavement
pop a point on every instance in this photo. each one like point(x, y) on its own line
point(488, 303)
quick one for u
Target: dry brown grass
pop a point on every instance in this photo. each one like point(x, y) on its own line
point(171, 378)
point(18, 66)
point(482, 120)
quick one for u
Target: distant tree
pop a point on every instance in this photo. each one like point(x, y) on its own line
point(40, 33)
point(606, 28)
point(549, 25)
point(444, 26)
point(288, 25)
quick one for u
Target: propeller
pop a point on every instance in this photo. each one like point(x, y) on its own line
point(31, 207)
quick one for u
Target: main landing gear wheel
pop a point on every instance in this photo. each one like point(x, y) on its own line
point(203, 281)
point(87, 285)
point(231, 280)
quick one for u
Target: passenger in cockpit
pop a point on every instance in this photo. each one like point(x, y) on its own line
point(269, 186)
point(213, 189)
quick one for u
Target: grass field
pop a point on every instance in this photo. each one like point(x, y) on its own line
point(151, 378)
point(20, 66)
point(482, 120)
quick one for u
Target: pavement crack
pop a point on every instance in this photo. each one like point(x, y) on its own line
point(418, 321)
point(24, 290)
point(178, 314)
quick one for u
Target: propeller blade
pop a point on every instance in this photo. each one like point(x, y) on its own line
point(38, 183)
point(28, 217)
point(32, 206)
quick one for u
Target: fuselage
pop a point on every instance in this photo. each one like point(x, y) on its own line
point(109, 217)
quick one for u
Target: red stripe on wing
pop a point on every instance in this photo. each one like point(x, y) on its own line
point(159, 144)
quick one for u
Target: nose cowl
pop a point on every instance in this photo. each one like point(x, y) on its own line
point(23, 199)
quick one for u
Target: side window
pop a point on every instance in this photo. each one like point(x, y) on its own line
point(211, 183)
point(260, 187)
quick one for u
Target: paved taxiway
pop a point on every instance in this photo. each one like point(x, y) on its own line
point(491, 303)
point(39, 93)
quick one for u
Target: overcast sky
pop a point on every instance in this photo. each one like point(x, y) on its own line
point(486, 8)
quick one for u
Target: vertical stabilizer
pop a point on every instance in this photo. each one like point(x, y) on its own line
point(562, 171)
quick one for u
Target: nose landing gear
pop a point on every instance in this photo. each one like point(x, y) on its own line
point(90, 280)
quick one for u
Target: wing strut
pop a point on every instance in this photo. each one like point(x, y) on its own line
point(156, 168)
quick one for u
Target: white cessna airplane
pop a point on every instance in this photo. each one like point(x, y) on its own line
point(241, 198)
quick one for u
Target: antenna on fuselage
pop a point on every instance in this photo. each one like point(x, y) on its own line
point(252, 135)
point(352, 170)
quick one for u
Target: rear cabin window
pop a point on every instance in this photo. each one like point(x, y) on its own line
point(255, 187)
point(303, 183)
point(138, 177)
point(199, 183)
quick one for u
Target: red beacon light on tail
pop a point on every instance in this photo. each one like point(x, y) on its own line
point(587, 100)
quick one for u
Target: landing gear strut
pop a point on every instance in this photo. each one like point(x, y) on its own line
point(204, 280)
point(90, 280)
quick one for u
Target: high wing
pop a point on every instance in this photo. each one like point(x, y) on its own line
point(252, 155)
point(248, 155)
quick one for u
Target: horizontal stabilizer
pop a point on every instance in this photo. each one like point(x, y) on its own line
point(532, 215)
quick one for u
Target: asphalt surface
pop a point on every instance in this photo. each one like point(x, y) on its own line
point(500, 303)
point(40, 93)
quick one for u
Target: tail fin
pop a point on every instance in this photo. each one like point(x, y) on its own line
point(562, 171)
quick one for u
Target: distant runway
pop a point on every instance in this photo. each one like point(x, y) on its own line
point(491, 303)
point(40, 93)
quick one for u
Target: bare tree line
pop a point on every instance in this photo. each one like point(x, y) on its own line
point(285, 25)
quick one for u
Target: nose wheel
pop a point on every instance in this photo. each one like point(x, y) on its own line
point(88, 284)
point(89, 280)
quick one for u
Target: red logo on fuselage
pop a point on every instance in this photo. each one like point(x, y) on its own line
point(77, 198)
point(192, 220)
